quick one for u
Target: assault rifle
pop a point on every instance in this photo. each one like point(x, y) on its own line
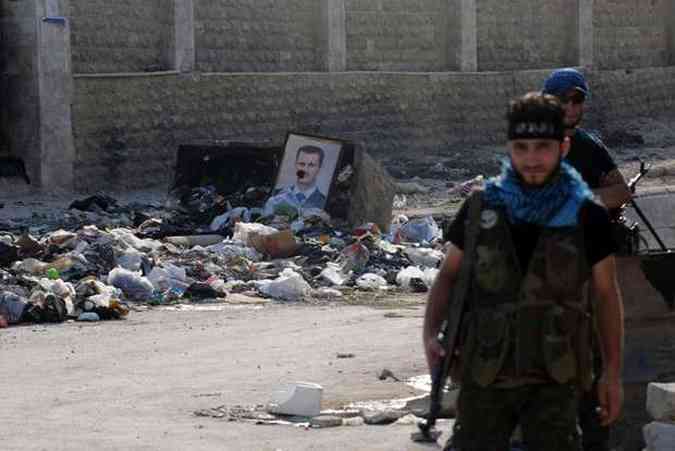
point(448, 333)
point(630, 233)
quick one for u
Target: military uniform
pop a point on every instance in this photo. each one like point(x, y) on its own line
point(525, 349)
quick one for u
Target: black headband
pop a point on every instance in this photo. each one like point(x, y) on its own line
point(536, 130)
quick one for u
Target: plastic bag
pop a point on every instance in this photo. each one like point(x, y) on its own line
point(289, 286)
point(424, 257)
point(132, 284)
point(371, 281)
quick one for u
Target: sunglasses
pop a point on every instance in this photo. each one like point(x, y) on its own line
point(575, 98)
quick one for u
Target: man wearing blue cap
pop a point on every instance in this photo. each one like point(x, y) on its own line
point(588, 155)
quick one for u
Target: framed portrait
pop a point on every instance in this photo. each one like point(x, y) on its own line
point(306, 173)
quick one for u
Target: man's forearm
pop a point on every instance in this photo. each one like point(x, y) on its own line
point(613, 196)
point(437, 306)
point(613, 190)
point(439, 295)
point(610, 322)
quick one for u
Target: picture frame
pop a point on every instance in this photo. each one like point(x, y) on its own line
point(307, 173)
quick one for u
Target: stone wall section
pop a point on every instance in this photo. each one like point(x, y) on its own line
point(19, 104)
point(631, 33)
point(127, 129)
point(257, 36)
point(396, 35)
point(526, 34)
point(121, 35)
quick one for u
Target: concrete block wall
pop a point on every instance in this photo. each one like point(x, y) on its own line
point(526, 34)
point(121, 35)
point(19, 104)
point(396, 35)
point(257, 36)
point(127, 129)
point(631, 33)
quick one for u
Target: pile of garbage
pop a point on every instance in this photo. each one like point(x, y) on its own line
point(100, 257)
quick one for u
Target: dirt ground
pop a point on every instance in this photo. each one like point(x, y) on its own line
point(134, 384)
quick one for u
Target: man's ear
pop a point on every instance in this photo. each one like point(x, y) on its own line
point(565, 146)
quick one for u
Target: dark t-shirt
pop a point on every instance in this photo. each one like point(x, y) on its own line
point(593, 217)
point(589, 155)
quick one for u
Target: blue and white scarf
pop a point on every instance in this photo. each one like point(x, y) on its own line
point(556, 204)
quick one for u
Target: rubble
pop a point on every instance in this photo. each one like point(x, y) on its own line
point(209, 242)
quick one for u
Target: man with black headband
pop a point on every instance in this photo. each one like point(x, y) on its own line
point(536, 237)
point(588, 155)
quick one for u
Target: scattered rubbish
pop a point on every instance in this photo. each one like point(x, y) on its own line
point(424, 257)
point(354, 258)
point(419, 230)
point(405, 278)
point(387, 374)
point(194, 240)
point(276, 244)
point(132, 284)
point(333, 274)
point(371, 281)
point(89, 316)
point(382, 416)
point(299, 398)
point(289, 286)
point(325, 421)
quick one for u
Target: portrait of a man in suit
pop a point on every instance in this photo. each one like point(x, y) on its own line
point(305, 193)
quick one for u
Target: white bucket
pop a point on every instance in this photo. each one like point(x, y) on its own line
point(297, 398)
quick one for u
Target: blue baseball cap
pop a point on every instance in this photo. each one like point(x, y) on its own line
point(561, 81)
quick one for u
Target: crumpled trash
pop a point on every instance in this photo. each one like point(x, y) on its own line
point(11, 306)
point(276, 245)
point(89, 317)
point(234, 215)
point(235, 249)
point(289, 286)
point(130, 259)
point(400, 201)
point(132, 284)
point(194, 240)
point(94, 203)
point(354, 258)
point(8, 254)
point(406, 275)
point(418, 230)
point(202, 290)
point(128, 238)
point(244, 231)
point(62, 239)
point(424, 257)
point(169, 277)
point(333, 274)
point(370, 281)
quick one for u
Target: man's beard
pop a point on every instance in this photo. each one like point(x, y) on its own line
point(575, 124)
point(550, 178)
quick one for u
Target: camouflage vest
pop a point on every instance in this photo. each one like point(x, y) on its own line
point(528, 323)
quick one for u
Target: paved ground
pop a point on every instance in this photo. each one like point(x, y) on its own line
point(134, 384)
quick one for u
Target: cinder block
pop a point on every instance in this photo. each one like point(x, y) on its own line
point(661, 401)
point(659, 436)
